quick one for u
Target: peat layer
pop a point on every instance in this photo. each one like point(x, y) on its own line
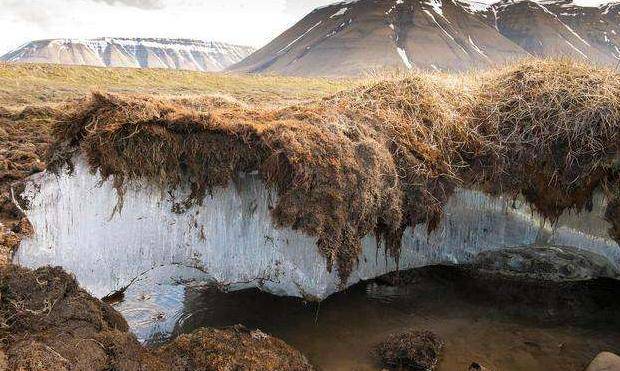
point(375, 159)
point(24, 140)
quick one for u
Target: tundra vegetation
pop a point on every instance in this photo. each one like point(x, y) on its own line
point(347, 159)
point(374, 159)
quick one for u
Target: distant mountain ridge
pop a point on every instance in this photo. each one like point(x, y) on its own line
point(351, 37)
point(181, 54)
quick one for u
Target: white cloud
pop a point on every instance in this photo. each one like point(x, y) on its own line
point(247, 22)
point(144, 4)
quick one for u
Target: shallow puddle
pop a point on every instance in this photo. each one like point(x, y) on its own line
point(339, 333)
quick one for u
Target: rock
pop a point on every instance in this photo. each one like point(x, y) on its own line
point(545, 263)
point(411, 350)
point(605, 361)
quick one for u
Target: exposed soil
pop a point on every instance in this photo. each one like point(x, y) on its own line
point(25, 137)
point(48, 323)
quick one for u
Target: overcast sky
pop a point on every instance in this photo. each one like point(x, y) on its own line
point(246, 22)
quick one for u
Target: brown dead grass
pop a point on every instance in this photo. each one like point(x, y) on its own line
point(25, 136)
point(376, 159)
point(233, 348)
point(24, 84)
point(410, 350)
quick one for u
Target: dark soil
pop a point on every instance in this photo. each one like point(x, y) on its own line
point(552, 302)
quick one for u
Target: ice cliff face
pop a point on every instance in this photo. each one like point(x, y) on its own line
point(132, 52)
point(231, 241)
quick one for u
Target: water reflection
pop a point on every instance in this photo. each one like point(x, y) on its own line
point(501, 331)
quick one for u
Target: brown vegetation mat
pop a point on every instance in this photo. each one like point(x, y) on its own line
point(234, 348)
point(48, 323)
point(410, 350)
point(25, 136)
point(378, 158)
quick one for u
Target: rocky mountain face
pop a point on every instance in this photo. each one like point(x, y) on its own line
point(560, 28)
point(127, 52)
point(354, 37)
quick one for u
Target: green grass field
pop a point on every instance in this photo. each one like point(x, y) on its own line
point(33, 84)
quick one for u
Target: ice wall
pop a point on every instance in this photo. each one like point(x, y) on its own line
point(230, 239)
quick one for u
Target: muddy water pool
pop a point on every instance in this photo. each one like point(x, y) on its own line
point(499, 330)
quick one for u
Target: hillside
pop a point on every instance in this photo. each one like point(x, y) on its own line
point(560, 28)
point(183, 54)
point(356, 37)
point(28, 84)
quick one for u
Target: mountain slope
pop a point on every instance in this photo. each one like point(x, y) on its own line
point(352, 37)
point(126, 52)
point(559, 28)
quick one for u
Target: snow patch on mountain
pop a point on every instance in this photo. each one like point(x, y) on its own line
point(132, 52)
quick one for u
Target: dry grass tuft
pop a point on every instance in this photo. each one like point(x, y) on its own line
point(25, 136)
point(375, 159)
point(233, 348)
point(411, 350)
point(555, 130)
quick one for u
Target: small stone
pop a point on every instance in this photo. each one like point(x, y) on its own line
point(605, 361)
point(545, 263)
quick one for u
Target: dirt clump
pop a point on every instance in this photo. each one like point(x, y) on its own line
point(25, 137)
point(410, 350)
point(376, 159)
point(233, 348)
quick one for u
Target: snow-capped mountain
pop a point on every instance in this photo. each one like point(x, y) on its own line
point(132, 52)
point(351, 37)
